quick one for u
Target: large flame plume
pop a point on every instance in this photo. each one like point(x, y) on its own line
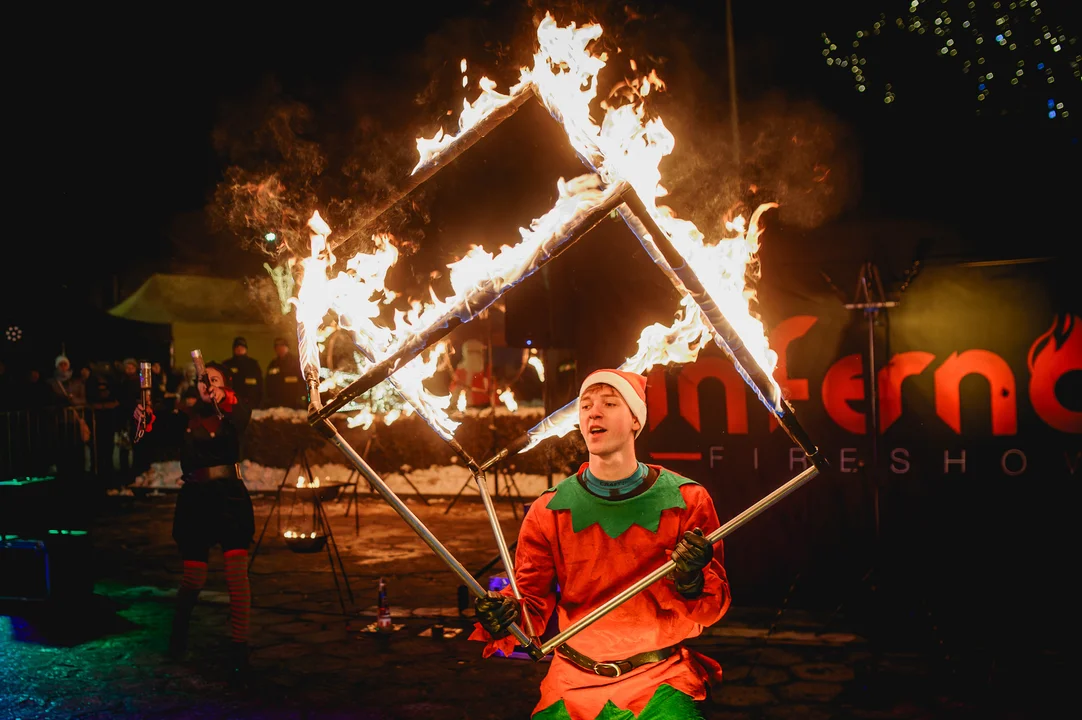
point(623, 146)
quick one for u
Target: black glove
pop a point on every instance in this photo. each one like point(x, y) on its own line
point(692, 554)
point(496, 612)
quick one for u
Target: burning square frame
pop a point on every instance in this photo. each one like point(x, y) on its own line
point(622, 198)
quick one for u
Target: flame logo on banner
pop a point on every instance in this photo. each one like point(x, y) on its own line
point(1054, 354)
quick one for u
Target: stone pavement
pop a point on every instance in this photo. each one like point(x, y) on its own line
point(104, 659)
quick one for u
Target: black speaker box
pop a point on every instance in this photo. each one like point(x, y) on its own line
point(28, 504)
point(54, 567)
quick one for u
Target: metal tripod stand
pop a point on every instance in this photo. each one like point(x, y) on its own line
point(320, 524)
point(871, 300)
point(509, 479)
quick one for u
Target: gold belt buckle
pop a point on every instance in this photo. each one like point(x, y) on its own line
point(613, 665)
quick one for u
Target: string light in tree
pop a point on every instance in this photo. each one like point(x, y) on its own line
point(1010, 49)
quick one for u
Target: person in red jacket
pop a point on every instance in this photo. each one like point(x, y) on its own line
point(592, 536)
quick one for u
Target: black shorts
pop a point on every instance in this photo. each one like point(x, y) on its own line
point(215, 512)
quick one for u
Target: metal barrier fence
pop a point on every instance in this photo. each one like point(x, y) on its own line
point(48, 440)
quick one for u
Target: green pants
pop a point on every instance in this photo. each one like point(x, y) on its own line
point(666, 704)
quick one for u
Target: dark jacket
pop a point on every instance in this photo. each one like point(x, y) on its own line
point(285, 386)
point(206, 440)
point(246, 379)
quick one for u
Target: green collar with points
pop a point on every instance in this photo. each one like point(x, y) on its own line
point(616, 516)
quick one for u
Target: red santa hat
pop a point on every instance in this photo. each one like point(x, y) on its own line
point(631, 386)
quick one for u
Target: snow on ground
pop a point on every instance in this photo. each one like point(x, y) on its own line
point(435, 480)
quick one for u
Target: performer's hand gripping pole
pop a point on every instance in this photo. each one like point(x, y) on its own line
point(618, 600)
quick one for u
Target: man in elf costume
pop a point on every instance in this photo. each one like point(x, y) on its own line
point(592, 536)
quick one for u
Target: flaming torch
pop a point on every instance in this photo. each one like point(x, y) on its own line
point(201, 376)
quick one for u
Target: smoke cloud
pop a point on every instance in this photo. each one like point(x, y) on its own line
point(344, 151)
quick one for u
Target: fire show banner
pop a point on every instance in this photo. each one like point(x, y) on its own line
point(973, 379)
point(978, 400)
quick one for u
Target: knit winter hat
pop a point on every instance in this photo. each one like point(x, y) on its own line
point(60, 359)
point(631, 386)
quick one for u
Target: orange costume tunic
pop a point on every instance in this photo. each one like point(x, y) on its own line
point(591, 548)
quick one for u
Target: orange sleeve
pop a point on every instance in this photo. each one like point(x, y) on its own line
point(535, 573)
point(713, 602)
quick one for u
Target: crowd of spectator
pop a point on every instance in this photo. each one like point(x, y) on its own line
point(101, 397)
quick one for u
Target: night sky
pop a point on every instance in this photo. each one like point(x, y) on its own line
point(125, 125)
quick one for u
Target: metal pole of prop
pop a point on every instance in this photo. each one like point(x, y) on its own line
point(331, 433)
point(479, 478)
point(665, 255)
point(493, 520)
point(471, 305)
point(660, 247)
point(422, 174)
point(657, 243)
point(640, 585)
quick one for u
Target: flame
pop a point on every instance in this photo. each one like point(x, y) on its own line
point(658, 345)
point(538, 366)
point(356, 296)
point(508, 399)
point(623, 146)
point(627, 146)
point(385, 401)
point(472, 113)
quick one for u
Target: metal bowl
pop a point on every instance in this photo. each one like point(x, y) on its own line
point(325, 492)
point(305, 545)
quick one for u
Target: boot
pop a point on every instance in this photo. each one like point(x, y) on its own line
point(182, 616)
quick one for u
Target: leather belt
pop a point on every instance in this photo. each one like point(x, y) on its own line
point(615, 668)
point(214, 472)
